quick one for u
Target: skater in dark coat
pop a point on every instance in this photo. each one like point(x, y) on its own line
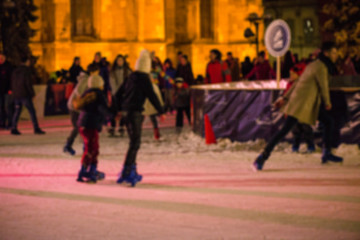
point(136, 89)
point(94, 108)
point(305, 102)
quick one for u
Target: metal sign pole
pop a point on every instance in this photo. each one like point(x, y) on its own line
point(278, 72)
point(277, 42)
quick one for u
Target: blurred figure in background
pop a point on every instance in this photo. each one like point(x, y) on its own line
point(75, 70)
point(6, 101)
point(182, 103)
point(217, 71)
point(23, 93)
point(233, 64)
point(287, 65)
point(246, 67)
point(184, 70)
point(262, 69)
point(170, 74)
point(150, 110)
point(120, 70)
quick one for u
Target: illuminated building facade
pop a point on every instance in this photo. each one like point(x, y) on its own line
point(69, 28)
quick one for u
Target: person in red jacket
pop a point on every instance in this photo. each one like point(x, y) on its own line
point(262, 69)
point(217, 71)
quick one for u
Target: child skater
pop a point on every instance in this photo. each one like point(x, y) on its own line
point(93, 107)
point(181, 103)
point(80, 88)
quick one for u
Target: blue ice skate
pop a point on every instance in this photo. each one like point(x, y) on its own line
point(69, 149)
point(129, 175)
point(295, 148)
point(97, 174)
point(90, 177)
point(311, 148)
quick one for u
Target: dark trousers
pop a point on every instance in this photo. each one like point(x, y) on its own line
point(6, 110)
point(2, 110)
point(180, 115)
point(30, 107)
point(91, 146)
point(154, 121)
point(133, 121)
point(74, 116)
point(290, 122)
point(304, 132)
point(169, 99)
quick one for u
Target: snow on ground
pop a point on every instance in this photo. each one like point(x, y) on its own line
point(190, 190)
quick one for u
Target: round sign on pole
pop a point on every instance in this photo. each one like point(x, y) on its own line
point(277, 38)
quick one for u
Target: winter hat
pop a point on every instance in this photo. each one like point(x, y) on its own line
point(95, 81)
point(179, 80)
point(143, 63)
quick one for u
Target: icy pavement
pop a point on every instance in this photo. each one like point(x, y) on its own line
point(189, 191)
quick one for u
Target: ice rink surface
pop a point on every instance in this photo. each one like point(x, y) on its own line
point(189, 190)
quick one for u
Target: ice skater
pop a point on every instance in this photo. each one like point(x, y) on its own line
point(81, 87)
point(137, 88)
point(119, 72)
point(301, 131)
point(305, 102)
point(94, 108)
point(23, 93)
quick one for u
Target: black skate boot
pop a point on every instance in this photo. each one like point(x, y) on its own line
point(39, 131)
point(260, 160)
point(327, 156)
point(68, 149)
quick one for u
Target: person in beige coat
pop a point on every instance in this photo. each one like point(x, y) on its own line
point(150, 110)
point(307, 100)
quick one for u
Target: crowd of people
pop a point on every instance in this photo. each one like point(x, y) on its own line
point(115, 94)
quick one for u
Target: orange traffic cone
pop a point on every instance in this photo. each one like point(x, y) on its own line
point(209, 133)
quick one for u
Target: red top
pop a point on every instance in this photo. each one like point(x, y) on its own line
point(217, 72)
point(298, 69)
point(262, 71)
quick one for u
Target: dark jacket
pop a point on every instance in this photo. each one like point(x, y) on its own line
point(136, 88)
point(21, 83)
point(92, 115)
point(74, 72)
point(5, 77)
point(246, 67)
point(182, 97)
point(186, 73)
